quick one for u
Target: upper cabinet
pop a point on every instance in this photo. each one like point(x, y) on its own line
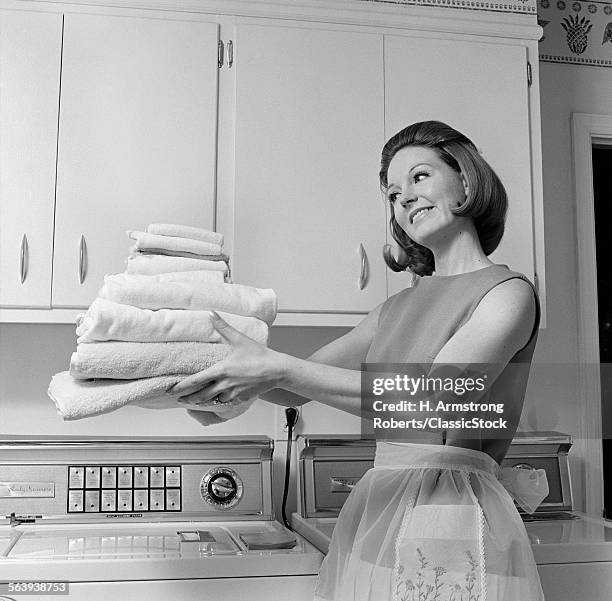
point(137, 140)
point(30, 56)
point(265, 124)
point(481, 89)
point(308, 214)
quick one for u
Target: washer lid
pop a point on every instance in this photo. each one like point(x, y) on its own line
point(584, 539)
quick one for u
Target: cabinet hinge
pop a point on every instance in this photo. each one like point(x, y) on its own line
point(529, 76)
point(220, 53)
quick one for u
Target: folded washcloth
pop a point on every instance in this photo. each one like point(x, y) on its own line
point(195, 277)
point(154, 264)
point(132, 360)
point(146, 241)
point(231, 298)
point(108, 320)
point(76, 399)
point(185, 231)
point(177, 253)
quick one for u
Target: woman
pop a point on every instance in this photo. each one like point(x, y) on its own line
point(431, 520)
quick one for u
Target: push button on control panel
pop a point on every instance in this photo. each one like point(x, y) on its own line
point(92, 477)
point(124, 477)
point(141, 477)
point(109, 477)
point(156, 477)
point(124, 488)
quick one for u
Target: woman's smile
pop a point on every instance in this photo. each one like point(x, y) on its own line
point(419, 214)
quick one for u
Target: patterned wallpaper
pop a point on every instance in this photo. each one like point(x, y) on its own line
point(576, 31)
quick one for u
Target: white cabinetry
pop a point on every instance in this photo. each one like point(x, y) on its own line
point(137, 140)
point(309, 217)
point(285, 164)
point(30, 54)
point(481, 89)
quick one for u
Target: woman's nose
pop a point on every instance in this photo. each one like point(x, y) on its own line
point(407, 198)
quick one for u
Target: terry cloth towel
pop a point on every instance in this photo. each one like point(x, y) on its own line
point(146, 241)
point(132, 360)
point(76, 399)
point(195, 277)
point(231, 298)
point(176, 253)
point(154, 264)
point(185, 231)
point(107, 320)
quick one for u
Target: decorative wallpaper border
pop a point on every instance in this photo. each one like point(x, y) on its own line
point(508, 6)
point(576, 32)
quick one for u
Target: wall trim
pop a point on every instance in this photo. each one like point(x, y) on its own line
point(443, 16)
point(586, 128)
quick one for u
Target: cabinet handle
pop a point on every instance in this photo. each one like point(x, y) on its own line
point(230, 53)
point(24, 259)
point(82, 260)
point(363, 276)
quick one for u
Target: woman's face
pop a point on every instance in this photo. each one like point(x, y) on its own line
point(422, 189)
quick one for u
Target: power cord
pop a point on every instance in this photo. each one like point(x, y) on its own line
point(291, 418)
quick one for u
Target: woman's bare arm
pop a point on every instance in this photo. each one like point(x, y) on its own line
point(499, 327)
point(347, 352)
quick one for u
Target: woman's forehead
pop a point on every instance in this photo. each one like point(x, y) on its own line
point(408, 157)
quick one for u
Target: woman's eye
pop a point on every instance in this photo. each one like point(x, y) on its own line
point(392, 197)
point(418, 176)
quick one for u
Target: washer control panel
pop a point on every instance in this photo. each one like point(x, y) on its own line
point(123, 488)
point(221, 487)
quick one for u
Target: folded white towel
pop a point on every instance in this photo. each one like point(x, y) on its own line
point(155, 264)
point(107, 320)
point(146, 241)
point(231, 298)
point(196, 277)
point(76, 399)
point(132, 360)
point(134, 251)
point(185, 231)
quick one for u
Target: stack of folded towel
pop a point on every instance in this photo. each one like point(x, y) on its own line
point(151, 326)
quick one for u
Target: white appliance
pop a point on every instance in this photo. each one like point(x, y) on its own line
point(572, 550)
point(148, 518)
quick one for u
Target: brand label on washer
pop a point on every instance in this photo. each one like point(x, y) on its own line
point(27, 489)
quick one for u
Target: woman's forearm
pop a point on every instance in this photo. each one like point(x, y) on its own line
point(342, 388)
point(282, 397)
point(334, 386)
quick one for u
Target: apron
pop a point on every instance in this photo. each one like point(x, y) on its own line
point(434, 523)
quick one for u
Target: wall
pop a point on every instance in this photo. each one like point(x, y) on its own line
point(31, 354)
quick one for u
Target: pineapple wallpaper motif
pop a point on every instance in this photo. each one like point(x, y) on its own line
point(576, 32)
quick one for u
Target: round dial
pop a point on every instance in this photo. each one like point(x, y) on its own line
point(221, 487)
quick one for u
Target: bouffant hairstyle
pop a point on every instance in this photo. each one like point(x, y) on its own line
point(486, 201)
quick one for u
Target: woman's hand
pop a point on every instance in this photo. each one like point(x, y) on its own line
point(248, 371)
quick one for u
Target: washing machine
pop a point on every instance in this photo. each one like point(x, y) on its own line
point(573, 551)
point(148, 518)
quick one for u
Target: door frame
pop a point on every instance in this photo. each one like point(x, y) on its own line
point(587, 129)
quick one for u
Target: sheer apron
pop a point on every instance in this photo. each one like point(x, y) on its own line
point(432, 523)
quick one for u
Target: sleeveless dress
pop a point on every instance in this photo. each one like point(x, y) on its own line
point(435, 522)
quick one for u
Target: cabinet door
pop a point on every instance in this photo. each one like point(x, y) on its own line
point(309, 131)
point(137, 140)
point(481, 90)
point(30, 53)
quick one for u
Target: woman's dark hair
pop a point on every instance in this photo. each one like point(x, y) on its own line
point(486, 201)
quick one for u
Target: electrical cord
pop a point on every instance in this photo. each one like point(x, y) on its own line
point(291, 417)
